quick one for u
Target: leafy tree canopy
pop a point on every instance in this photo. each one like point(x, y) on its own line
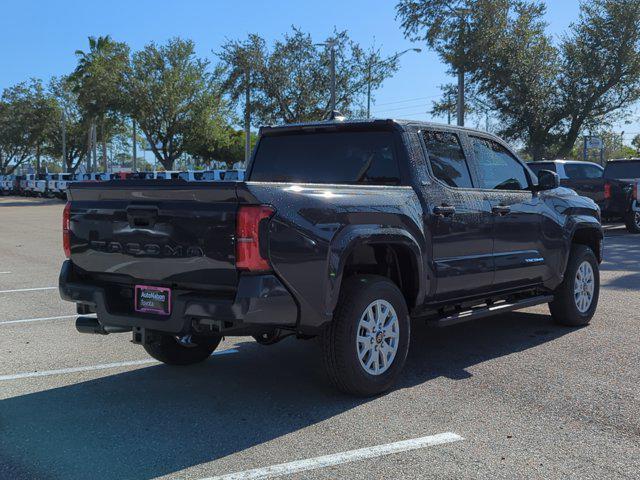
point(175, 99)
point(543, 93)
point(291, 81)
point(75, 124)
point(26, 116)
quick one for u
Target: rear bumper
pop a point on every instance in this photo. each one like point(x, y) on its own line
point(261, 302)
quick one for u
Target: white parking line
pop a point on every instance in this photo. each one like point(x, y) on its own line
point(4, 273)
point(342, 457)
point(28, 289)
point(90, 368)
point(41, 319)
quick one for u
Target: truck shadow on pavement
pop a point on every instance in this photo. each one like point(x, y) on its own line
point(159, 420)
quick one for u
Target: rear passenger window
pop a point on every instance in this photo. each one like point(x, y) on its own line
point(350, 157)
point(497, 168)
point(578, 171)
point(447, 159)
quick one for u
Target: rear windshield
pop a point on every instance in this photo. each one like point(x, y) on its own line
point(628, 169)
point(327, 157)
point(536, 167)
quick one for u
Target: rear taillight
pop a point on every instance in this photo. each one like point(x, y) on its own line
point(248, 255)
point(66, 236)
point(607, 191)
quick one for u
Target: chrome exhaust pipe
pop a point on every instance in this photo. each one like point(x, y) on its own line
point(91, 325)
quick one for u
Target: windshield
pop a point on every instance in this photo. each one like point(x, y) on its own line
point(624, 169)
point(363, 157)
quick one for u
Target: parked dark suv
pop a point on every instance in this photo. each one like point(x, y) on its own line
point(343, 230)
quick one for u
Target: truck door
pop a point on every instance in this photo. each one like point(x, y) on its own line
point(519, 254)
point(457, 217)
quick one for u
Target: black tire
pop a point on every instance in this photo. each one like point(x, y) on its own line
point(564, 308)
point(340, 353)
point(632, 221)
point(167, 349)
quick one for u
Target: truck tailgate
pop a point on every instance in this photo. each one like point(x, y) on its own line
point(167, 233)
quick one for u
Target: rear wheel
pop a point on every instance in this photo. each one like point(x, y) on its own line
point(632, 221)
point(185, 350)
point(366, 344)
point(576, 298)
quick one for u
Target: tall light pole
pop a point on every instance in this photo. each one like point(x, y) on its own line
point(247, 116)
point(135, 147)
point(372, 64)
point(64, 141)
point(460, 103)
point(463, 12)
point(331, 44)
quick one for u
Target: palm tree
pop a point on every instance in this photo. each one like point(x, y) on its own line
point(97, 80)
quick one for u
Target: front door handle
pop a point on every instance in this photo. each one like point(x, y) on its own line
point(444, 210)
point(501, 209)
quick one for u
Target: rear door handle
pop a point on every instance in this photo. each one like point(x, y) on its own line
point(444, 210)
point(501, 209)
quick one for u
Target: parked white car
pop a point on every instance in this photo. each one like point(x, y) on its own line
point(40, 185)
point(202, 175)
point(60, 183)
point(5, 184)
point(234, 175)
point(167, 175)
point(27, 184)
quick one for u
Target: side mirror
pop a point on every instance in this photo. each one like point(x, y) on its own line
point(547, 180)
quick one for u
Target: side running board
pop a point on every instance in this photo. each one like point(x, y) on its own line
point(488, 310)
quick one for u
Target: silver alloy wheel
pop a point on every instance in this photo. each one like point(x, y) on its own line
point(377, 337)
point(636, 219)
point(584, 286)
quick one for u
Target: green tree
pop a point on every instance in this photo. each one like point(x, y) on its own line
point(26, 114)
point(291, 82)
point(228, 147)
point(98, 80)
point(75, 126)
point(175, 99)
point(636, 143)
point(544, 95)
point(43, 115)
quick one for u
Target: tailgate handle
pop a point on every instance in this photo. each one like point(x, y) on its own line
point(142, 216)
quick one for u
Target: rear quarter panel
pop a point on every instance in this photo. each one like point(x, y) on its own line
point(316, 225)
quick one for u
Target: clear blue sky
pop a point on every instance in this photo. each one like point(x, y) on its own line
point(38, 38)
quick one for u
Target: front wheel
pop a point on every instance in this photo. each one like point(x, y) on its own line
point(185, 350)
point(576, 298)
point(366, 344)
point(632, 221)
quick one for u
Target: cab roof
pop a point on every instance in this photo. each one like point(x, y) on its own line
point(367, 122)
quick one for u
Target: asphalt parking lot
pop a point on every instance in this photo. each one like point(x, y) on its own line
point(513, 396)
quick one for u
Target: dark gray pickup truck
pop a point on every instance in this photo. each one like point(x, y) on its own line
point(344, 231)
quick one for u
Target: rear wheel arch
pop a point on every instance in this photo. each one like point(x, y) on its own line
point(396, 258)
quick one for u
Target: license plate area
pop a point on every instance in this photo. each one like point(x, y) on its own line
point(150, 299)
